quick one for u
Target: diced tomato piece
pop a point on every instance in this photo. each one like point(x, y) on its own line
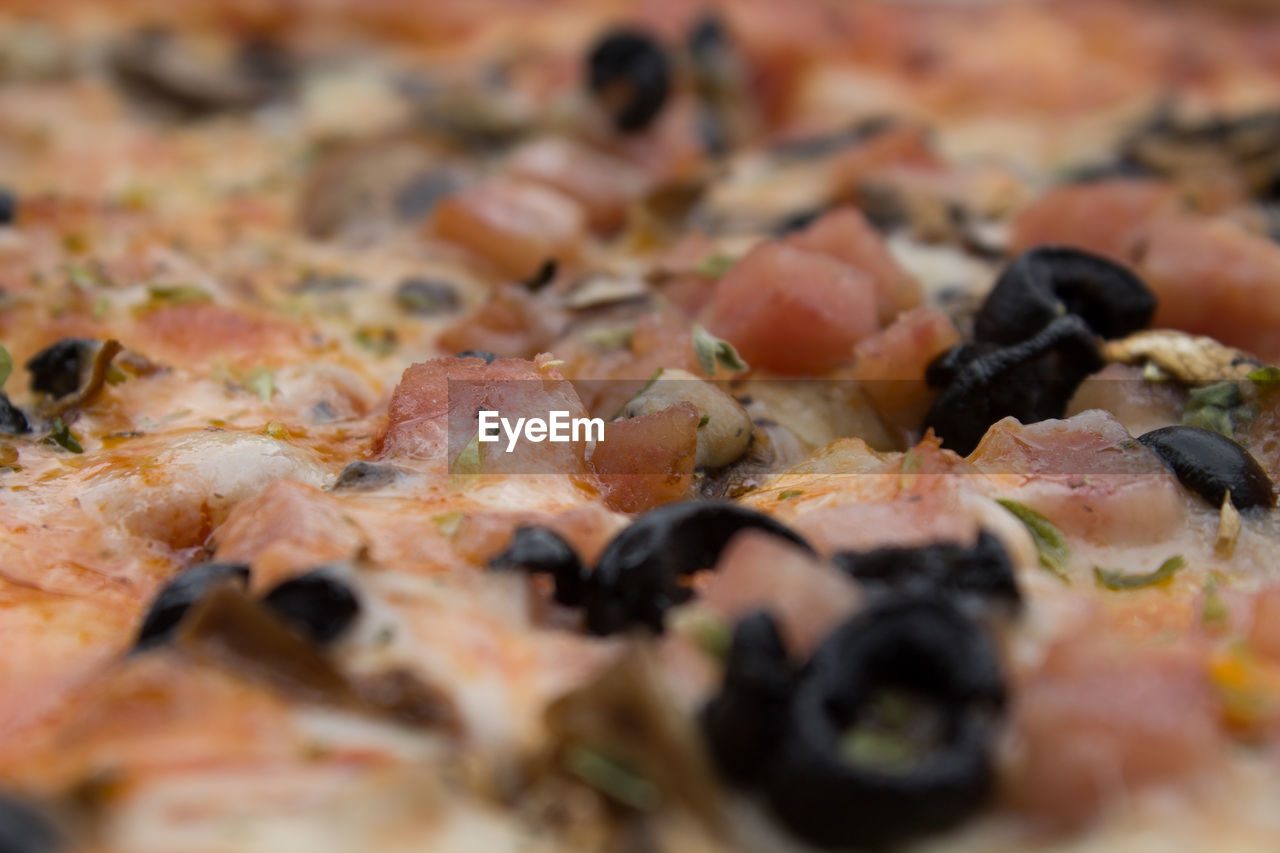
point(846, 234)
point(1214, 278)
point(1104, 217)
point(759, 571)
point(433, 415)
point(1101, 719)
point(891, 364)
point(648, 460)
point(602, 183)
point(514, 225)
point(793, 311)
point(514, 322)
point(1086, 475)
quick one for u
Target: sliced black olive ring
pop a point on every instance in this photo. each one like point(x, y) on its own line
point(1031, 381)
point(1049, 281)
point(833, 793)
point(639, 576)
point(629, 74)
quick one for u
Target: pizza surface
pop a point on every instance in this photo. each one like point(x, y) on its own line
point(565, 425)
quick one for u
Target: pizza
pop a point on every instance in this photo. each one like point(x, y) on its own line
point(619, 426)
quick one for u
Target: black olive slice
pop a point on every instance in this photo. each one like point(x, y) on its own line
point(637, 577)
point(538, 549)
point(426, 297)
point(25, 828)
point(1210, 464)
point(8, 206)
point(1031, 381)
point(319, 603)
point(489, 357)
point(362, 476)
point(983, 570)
point(629, 74)
point(745, 721)
point(59, 368)
point(12, 420)
point(183, 590)
point(1048, 281)
point(890, 731)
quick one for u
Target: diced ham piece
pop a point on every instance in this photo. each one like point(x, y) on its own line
point(515, 226)
point(846, 234)
point(648, 460)
point(1212, 277)
point(1102, 719)
point(806, 595)
point(793, 311)
point(1104, 217)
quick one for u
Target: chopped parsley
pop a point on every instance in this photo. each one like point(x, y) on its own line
point(1118, 580)
point(714, 265)
point(1051, 545)
point(61, 435)
point(711, 351)
point(6, 365)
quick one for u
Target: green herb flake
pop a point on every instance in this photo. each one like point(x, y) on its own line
point(177, 294)
point(1051, 545)
point(6, 365)
point(707, 630)
point(1265, 375)
point(714, 265)
point(379, 340)
point(260, 381)
point(612, 777)
point(1214, 614)
point(1212, 418)
point(788, 494)
point(469, 460)
point(1118, 580)
point(703, 421)
point(711, 351)
point(448, 522)
point(61, 435)
point(1222, 394)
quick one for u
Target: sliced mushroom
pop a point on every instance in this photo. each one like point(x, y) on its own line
point(725, 429)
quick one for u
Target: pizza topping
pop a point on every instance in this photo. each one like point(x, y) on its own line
point(1224, 545)
point(982, 570)
point(1247, 146)
point(540, 550)
point(8, 207)
point(638, 577)
point(1118, 580)
point(724, 427)
point(1212, 466)
point(319, 603)
point(744, 721)
point(890, 730)
point(629, 73)
point(1032, 381)
point(1193, 359)
point(622, 734)
point(1051, 545)
point(25, 828)
point(365, 476)
point(793, 310)
point(1050, 281)
point(182, 591)
point(168, 71)
point(58, 369)
point(427, 297)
